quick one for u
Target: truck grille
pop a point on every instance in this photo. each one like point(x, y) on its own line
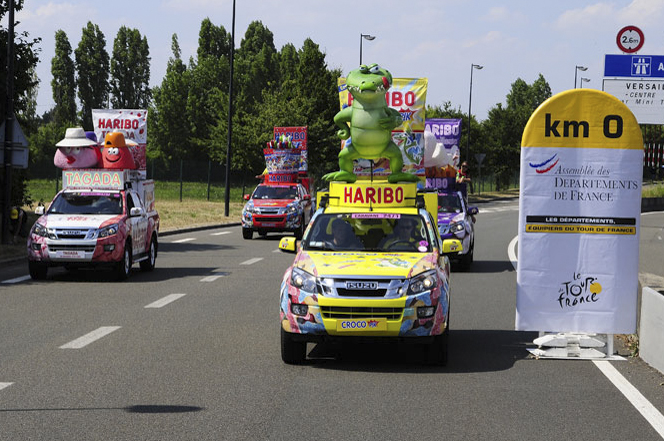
point(269, 218)
point(343, 292)
point(361, 287)
point(348, 312)
point(71, 233)
point(86, 248)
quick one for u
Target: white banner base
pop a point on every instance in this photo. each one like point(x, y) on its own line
point(574, 346)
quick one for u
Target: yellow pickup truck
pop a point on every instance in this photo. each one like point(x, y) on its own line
point(371, 266)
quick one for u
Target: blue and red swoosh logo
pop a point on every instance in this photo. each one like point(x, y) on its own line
point(546, 165)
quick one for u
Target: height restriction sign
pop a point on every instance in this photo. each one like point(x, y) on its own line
point(630, 39)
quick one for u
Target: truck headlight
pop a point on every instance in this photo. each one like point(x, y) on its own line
point(108, 231)
point(40, 230)
point(303, 280)
point(249, 207)
point(456, 227)
point(423, 282)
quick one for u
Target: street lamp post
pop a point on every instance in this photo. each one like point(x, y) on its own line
point(470, 102)
point(584, 80)
point(367, 37)
point(576, 70)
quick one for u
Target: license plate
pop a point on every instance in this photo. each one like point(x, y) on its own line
point(70, 254)
point(361, 325)
point(268, 224)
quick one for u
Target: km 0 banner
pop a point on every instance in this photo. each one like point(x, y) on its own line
point(579, 216)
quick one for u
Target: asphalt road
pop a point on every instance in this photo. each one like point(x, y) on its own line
point(190, 351)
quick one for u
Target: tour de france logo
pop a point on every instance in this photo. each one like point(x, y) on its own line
point(545, 166)
point(578, 291)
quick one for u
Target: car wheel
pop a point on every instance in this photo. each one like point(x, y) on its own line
point(124, 265)
point(37, 270)
point(149, 263)
point(300, 231)
point(436, 353)
point(468, 258)
point(292, 352)
point(247, 233)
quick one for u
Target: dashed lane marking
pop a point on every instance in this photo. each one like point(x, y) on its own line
point(252, 261)
point(165, 301)
point(85, 340)
point(184, 240)
point(16, 280)
point(4, 385)
point(221, 233)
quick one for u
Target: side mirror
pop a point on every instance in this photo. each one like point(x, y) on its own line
point(288, 244)
point(247, 197)
point(136, 211)
point(306, 197)
point(40, 210)
point(473, 211)
point(452, 246)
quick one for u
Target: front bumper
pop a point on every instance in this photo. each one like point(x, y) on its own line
point(271, 222)
point(335, 318)
point(62, 251)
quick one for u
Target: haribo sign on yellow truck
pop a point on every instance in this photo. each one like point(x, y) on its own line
point(371, 266)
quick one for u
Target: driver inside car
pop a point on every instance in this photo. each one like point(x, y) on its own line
point(343, 236)
point(405, 232)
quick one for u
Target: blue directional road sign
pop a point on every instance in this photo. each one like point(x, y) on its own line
point(634, 66)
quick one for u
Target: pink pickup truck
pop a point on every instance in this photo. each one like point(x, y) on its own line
point(100, 218)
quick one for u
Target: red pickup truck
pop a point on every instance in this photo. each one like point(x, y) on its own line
point(271, 207)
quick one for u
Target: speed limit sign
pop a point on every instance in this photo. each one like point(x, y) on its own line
point(630, 39)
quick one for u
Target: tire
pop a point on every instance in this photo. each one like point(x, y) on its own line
point(300, 231)
point(37, 270)
point(468, 258)
point(247, 233)
point(436, 353)
point(149, 263)
point(292, 352)
point(124, 265)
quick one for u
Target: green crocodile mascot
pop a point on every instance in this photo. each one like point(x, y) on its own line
point(371, 124)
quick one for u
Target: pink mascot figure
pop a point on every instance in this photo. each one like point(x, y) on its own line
point(115, 153)
point(77, 150)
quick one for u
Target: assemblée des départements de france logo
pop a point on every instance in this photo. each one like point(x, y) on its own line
point(582, 182)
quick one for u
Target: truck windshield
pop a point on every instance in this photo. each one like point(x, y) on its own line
point(87, 203)
point(275, 192)
point(449, 203)
point(375, 232)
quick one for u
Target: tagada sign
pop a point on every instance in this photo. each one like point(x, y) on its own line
point(579, 216)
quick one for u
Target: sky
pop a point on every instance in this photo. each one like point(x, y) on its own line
point(435, 39)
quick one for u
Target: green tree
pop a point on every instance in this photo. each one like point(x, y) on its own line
point(169, 133)
point(25, 84)
point(92, 65)
point(63, 83)
point(506, 125)
point(208, 85)
point(130, 70)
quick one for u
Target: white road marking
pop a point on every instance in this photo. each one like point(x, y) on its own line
point(4, 385)
point(645, 408)
point(221, 233)
point(164, 301)
point(511, 251)
point(90, 337)
point(17, 280)
point(212, 278)
point(184, 240)
point(251, 261)
point(276, 251)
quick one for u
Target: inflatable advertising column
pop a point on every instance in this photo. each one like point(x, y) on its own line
point(579, 216)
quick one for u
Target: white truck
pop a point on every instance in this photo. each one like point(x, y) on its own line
point(100, 218)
